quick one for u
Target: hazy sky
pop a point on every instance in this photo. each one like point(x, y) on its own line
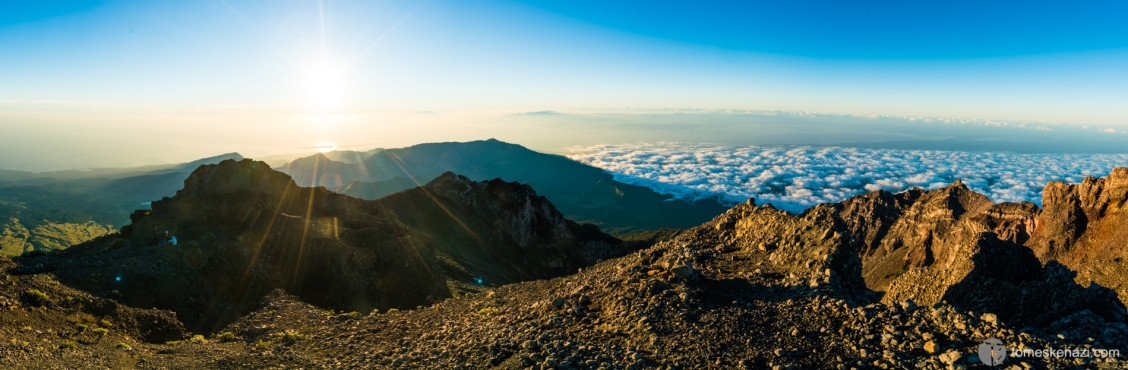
point(103, 83)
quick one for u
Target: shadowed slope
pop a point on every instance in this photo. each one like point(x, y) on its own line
point(243, 229)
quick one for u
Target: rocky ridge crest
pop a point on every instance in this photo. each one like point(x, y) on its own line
point(244, 229)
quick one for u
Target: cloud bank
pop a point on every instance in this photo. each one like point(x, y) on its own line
point(794, 178)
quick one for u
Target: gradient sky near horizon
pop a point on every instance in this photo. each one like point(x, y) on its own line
point(113, 83)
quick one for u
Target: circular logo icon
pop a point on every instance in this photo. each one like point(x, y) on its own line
point(992, 352)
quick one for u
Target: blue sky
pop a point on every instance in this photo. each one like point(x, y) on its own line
point(271, 76)
point(875, 30)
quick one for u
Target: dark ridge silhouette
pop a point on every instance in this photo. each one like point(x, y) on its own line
point(243, 229)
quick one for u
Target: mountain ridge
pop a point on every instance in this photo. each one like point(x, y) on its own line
point(244, 229)
point(582, 192)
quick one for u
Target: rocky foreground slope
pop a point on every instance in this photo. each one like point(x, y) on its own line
point(912, 280)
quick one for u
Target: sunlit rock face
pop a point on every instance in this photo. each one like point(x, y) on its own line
point(929, 246)
point(1085, 227)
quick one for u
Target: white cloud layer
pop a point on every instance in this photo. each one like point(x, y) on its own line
point(794, 178)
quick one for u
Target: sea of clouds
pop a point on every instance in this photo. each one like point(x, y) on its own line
point(794, 178)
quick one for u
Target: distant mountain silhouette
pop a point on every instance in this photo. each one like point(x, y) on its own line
point(580, 191)
point(320, 170)
point(191, 166)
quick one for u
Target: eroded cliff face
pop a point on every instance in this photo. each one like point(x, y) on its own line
point(945, 245)
point(1084, 221)
point(1085, 227)
point(894, 233)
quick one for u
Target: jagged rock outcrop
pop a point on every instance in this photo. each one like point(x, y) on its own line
point(810, 249)
point(243, 229)
point(946, 245)
point(1015, 222)
point(918, 228)
point(918, 244)
point(501, 232)
point(1085, 227)
point(1083, 221)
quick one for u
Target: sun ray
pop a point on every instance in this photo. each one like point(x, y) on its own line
point(305, 226)
point(381, 38)
point(321, 21)
point(399, 163)
point(257, 252)
point(258, 33)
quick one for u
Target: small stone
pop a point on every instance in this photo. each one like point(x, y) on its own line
point(950, 357)
point(908, 305)
point(930, 346)
point(991, 318)
point(682, 271)
point(559, 302)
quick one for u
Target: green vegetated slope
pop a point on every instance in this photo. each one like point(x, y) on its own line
point(54, 210)
point(17, 239)
point(45, 218)
point(54, 216)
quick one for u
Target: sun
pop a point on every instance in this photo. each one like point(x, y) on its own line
point(325, 147)
point(325, 84)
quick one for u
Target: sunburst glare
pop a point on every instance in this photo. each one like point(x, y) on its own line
point(325, 83)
